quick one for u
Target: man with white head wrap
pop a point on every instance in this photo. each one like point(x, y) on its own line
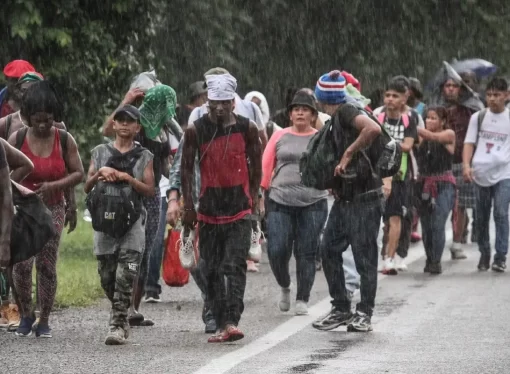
point(228, 195)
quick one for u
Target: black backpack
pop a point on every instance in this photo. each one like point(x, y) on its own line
point(115, 207)
point(32, 225)
point(385, 154)
point(318, 162)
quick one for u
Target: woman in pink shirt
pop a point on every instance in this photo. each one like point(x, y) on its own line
point(295, 213)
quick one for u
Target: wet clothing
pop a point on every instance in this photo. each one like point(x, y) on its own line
point(134, 238)
point(117, 272)
point(458, 121)
point(153, 206)
point(160, 151)
point(492, 141)
point(280, 169)
point(46, 266)
point(438, 182)
point(433, 159)
point(46, 169)
point(298, 229)
point(225, 183)
point(3, 159)
point(224, 249)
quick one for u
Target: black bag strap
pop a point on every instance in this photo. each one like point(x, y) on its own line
point(20, 137)
point(8, 123)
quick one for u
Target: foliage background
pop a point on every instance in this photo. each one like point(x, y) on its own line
point(92, 48)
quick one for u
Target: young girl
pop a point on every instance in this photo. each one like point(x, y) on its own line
point(435, 157)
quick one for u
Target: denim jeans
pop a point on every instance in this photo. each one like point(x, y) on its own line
point(433, 222)
point(291, 227)
point(156, 256)
point(500, 194)
point(356, 224)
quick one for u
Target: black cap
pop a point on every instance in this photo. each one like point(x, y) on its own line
point(303, 99)
point(129, 110)
point(197, 89)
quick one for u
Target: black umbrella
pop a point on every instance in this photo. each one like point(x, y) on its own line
point(470, 99)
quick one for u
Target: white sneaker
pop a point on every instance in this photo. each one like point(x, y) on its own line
point(389, 267)
point(400, 263)
point(255, 253)
point(187, 249)
point(284, 303)
point(301, 308)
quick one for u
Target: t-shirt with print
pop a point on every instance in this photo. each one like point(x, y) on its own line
point(243, 108)
point(135, 237)
point(491, 161)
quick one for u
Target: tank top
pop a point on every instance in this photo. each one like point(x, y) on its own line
point(46, 169)
point(433, 159)
point(225, 182)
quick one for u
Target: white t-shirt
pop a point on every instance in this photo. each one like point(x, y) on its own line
point(243, 108)
point(491, 161)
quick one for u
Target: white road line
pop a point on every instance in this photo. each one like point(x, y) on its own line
point(284, 331)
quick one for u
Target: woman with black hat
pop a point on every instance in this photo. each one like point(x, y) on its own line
point(296, 213)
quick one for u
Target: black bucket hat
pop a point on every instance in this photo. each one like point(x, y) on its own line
point(303, 99)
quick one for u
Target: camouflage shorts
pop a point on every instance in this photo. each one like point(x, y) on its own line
point(117, 273)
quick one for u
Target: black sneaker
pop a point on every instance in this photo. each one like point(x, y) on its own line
point(499, 266)
point(360, 323)
point(152, 297)
point(426, 269)
point(334, 319)
point(485, 263)
point(435, 268)
point(210, 322)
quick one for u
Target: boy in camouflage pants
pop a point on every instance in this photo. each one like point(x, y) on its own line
point(119, 258)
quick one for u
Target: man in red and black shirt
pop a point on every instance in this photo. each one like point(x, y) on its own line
point(229, 151)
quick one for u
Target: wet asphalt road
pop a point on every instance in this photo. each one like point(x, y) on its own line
point(453, 323)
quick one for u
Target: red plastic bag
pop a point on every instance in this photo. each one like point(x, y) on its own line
point(174, 274)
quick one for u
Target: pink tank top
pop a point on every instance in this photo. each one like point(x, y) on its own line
point(46, 169)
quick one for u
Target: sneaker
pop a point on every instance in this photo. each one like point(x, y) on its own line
point(43, 331)
point(251, 267)
point(415, 237)
point(187, 254)
point(426, 269)
point(400, 264)
point(152, 297)
point(435, 268)
point(485, 263)
point(284, 303)
point(116, 336)
point(255, 253)
point(389, 267)
point(210, 326)
point(25, 327)
point(230, 334)
point(499, 266)
point(360, 323)
point(457, 252)
point(334, 319)
point(301, 308)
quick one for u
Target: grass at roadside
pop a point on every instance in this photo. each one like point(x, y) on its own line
point(78, 281)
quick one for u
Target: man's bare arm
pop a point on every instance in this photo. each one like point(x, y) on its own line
point(188, 164)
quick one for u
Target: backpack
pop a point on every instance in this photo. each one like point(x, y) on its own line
point(318, 162)
point(32, 225)
point(115, 207)
point(385, 153)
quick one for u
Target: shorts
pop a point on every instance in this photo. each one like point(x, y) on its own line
point(397, 204)
point(466, 192)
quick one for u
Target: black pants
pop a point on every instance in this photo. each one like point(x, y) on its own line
point(224, 249)
point(356, 224)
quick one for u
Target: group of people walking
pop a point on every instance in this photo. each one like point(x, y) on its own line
point(228, 170)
